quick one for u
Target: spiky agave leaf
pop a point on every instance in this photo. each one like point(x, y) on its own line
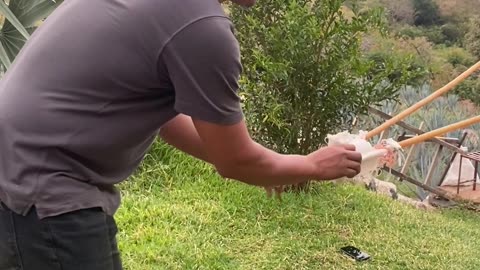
point(20, 19)
point(441, 112)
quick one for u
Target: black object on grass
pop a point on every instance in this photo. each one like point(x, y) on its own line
point(355, 253)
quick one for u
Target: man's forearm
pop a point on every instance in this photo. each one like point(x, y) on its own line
point(235, 155)
point(259, 166)
point(181, 133)
point(264, 167)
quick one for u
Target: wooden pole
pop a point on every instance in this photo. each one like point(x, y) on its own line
point(423, 102)
point(411, 152)
point(436, 191)
point(416, 130)
point(454, 155)
point(440, 131)
point(431, 171)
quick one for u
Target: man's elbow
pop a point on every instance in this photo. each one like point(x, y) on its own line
point(243, 166)
point(227, 171)
point(237, 172)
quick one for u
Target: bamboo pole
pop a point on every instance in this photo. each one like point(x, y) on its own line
point(433, 166)
point(440, 131)
point(416, 130)
point(423, 102)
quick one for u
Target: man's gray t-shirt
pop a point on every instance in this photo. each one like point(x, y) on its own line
point(89, 92)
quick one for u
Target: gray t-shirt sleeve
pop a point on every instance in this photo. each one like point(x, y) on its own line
point(203, 64)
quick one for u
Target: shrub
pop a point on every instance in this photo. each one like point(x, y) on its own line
point(434, 34)
point(304, 74)
point(415, 54)
point(410, 32)
point(413, 65)
point(452, 33)
point(470, 90)
point(456, 56)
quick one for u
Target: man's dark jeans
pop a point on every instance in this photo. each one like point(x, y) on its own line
point(83, 240)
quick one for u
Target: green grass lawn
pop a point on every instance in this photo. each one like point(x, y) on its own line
point(178, 214)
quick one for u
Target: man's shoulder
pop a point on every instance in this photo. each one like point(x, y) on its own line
point(165, 19)
point(181, 12)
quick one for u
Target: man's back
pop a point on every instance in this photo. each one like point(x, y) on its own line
point(85, 99)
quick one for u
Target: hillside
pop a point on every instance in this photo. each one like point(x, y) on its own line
point(440, 38)
point(459, 7)
point(177, 214)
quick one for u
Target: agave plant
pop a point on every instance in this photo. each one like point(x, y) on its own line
point(444, 111)
point(20, 18)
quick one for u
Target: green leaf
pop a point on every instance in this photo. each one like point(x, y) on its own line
point(5, 10)
point(21, 18)
point(4, 57)
point(39, 12)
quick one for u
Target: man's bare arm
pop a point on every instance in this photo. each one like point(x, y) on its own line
point(181, 133)
point(236, 156)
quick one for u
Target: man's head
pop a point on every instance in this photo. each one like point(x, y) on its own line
point(245, 3)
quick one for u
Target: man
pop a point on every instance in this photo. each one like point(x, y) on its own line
point(85, 99)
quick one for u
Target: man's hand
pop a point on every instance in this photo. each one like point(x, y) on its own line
point(331, 163)
point(335, 162)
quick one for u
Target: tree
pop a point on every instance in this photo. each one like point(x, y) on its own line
point(304, 72)
point(20, 20)
point(401, 10)
point(472, 37)
point(426, 12)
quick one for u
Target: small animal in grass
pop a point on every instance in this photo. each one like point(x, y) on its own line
point(372, 186)
point(278, 190)
point(394, 194)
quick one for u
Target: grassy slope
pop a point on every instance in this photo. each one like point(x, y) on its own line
point(177, 214)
